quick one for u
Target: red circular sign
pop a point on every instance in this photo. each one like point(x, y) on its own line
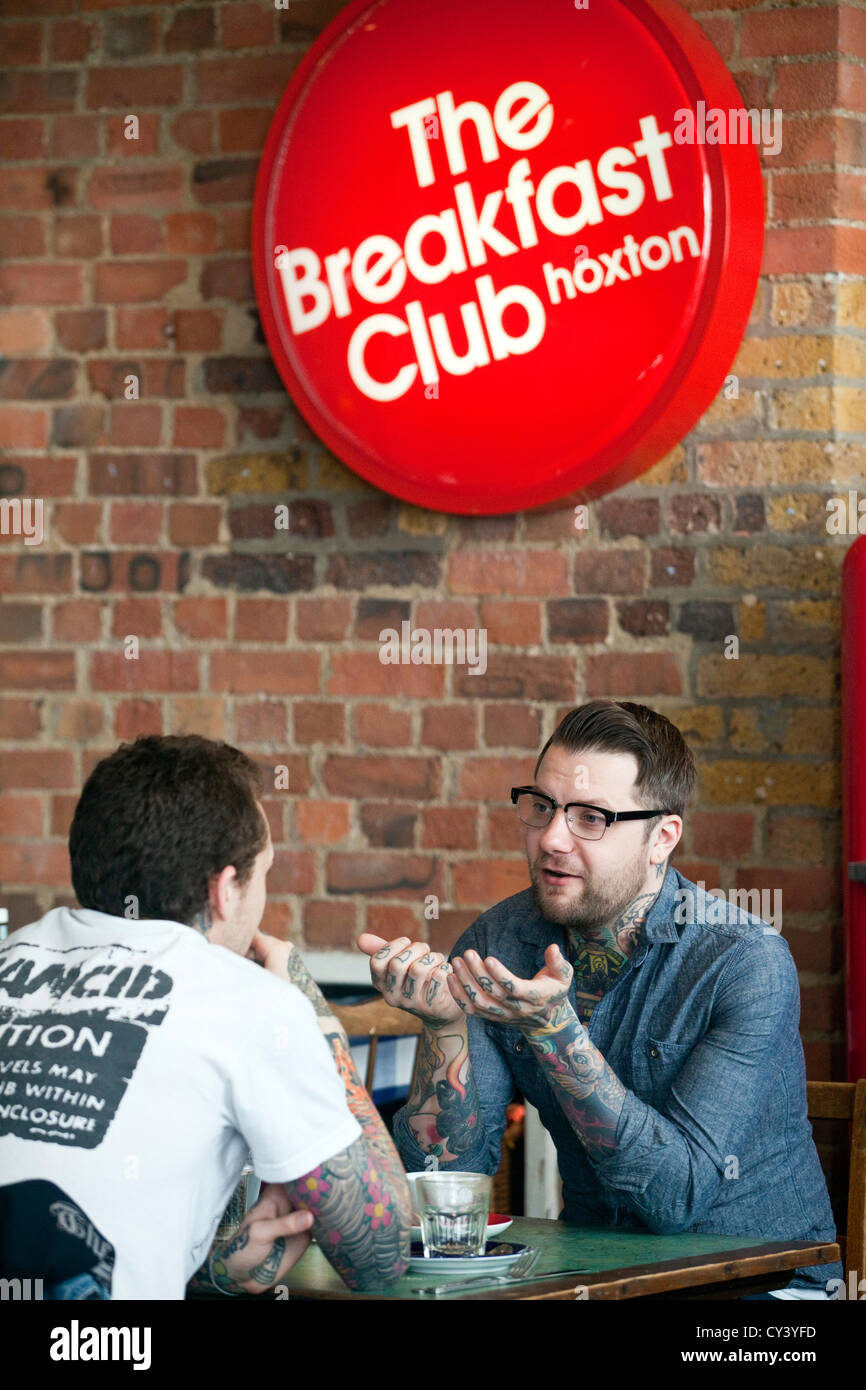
point(504, 253)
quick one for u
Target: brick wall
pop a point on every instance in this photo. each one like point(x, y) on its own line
point(129, 259)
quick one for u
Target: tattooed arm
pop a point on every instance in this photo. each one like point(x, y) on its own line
point(360, 1198)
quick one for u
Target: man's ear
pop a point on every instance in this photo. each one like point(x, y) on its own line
point(222, 890)
point(667, 837)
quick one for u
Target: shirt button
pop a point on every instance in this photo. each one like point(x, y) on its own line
point(520, 1045)
point(654, 1052)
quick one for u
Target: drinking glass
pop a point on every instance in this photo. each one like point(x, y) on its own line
point(453, 1208)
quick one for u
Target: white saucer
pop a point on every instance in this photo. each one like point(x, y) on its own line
point(469, 1264)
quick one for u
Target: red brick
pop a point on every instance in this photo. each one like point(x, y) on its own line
point(141, 474)
point(198, 427)
point(126, 141)
point(20, 815)
point(820, 951)
point(70, 40)
point(416, 778)
point(193, 130)
point(132, 718)
point(131, 282)
point(197, 714)
point(19, 719)
point(22, 137)
point(30, 863)
point(137, 617)
point(153, 671)
point(809, 86)
point(382, 872)
point(136, 523)
point(822, 1008)
point(262, 721)
point(487, 881)
point(278, 919)
point(202, 618)
point(609, 572)
point(504, 830)
point(129, 88)
point(36, 574)
point(450, 827)
point(193, 524)
point(49, 89)
point(449, 726)
point(382, 726)
point(22, 44)
point(518, 572)
point(20, 771)
point(135, 234)
point(672, 567)
point(632, 673)
point(77, 620)
point(194, 27)
point(247, 26)
point(330, 924)
point(79, 720)
point(261, 620)
point(24, 330)
point(318, 721)
point(81, 330)
point(34, 378)
point(390, 920)
point(197, 330)
point(491, 779)
point(225, 180)
point(255, 423)
point(511, 624)
point(190, 234)
point(362, 673)
point(135, 424)
point(722, 834)
point(224, 81)
point(283, 673)
point(21, 428)
point(323, 619)
point(78, 426)
point(22, 238)
point(227, 279)
point(322, 822)
point(236, 223)
point(79, 237)
point(243, 129)
point(446, 932)
point(62, 811)
point(389, 824)
point(292, 872)
point(141, 328)
point(37, 670)
point(78, 523)
point(816, 889)
point(510, 726)
point(577, 620)
point(456, 613)
point(76, 137)
point(43, 284)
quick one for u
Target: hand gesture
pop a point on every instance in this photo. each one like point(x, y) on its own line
point(410, 976)
point(489, 989)
point(269, 1241)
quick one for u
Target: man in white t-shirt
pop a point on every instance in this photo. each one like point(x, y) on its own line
point(143, 1057)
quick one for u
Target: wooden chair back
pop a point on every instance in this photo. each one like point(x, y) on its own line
point(846, 1100)
point(376, 1020)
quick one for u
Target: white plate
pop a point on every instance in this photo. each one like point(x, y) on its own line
point(494, 1228)
point(470, 1264)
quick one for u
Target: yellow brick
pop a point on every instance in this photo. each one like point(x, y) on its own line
point(808, 408)
point(807, 619)
point(760, 673)
point(794, 840)
point(758, 463)
point(813, 731)
point(851, 299)
point(744, 735)
point(419, 522)
point(724, 412)
point(799, 303)
point(698, 724)
point(849, 356)
point(670, 469)
point(814, 569)
point(849, 409)
point(730, 782)
point(788, 355)
point(269, 473)
point(796, 511)
point(848, 461)
point(197, 714)
point(334, 476)
point(752, 619)
point(757, 311)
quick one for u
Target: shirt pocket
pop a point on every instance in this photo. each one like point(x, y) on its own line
point(662, 1062)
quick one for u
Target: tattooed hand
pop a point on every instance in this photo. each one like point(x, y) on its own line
point(489, 989)
point(269, 1241)
point(410, 976)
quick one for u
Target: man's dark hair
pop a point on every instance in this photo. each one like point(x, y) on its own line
point(157, 818)
point(666, 769)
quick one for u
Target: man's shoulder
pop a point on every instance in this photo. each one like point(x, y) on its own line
point(742, 913)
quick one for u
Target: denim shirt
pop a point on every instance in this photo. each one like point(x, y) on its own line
point(701, 1027)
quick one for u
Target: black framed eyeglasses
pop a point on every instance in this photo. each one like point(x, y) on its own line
point(536, 809)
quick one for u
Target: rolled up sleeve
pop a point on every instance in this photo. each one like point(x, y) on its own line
point(668, 1164)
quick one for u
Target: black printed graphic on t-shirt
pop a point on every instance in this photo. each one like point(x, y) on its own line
point(73, 1024)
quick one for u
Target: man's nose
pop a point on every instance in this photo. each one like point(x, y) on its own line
point(556, 838)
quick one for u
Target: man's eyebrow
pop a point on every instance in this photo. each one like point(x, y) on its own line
point(580, 801)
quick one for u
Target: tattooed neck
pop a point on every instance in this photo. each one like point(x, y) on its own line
point(203, 921)
point(622, 935)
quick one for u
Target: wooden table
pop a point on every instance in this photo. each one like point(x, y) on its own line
point(619, 1264)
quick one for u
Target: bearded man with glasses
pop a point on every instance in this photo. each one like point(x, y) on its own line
point(654, 1027)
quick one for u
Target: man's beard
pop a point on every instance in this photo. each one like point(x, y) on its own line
point(599, 904)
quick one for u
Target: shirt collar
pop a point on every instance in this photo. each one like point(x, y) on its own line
point(660, 923)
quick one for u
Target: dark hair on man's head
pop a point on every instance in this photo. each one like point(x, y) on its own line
point(666, 768)
point(157, 819)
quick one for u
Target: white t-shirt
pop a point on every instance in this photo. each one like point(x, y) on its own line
point(139, 1066)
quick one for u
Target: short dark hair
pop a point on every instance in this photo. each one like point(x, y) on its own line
point(157, 819)
point(666, 768)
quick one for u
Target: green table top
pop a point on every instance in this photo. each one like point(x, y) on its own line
point(563, 1247)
